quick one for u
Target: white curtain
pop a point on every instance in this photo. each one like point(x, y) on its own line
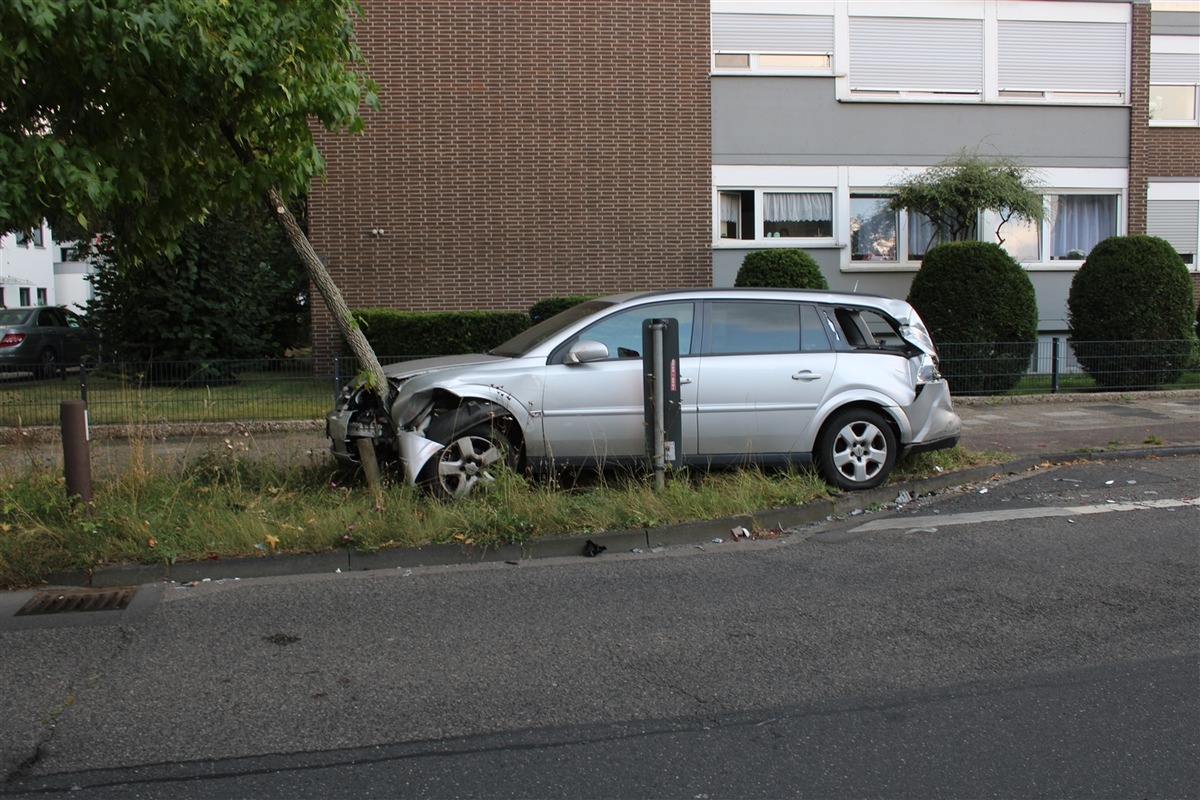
point(797, 207)
point(1081, 222)
point(731, 207)
point(922, 235)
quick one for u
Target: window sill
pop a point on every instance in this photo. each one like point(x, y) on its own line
point(764, 244)
point(975, 100)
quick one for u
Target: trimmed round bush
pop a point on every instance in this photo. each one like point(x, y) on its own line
point(780, 269)
point(981, 310)
point(1132, 314)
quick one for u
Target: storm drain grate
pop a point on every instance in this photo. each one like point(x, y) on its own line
point(71, 600)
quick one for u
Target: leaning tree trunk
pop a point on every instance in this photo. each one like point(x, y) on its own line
point(330, 293)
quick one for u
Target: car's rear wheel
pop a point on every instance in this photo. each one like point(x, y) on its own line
point(47, 366)
point(857, 449)
point(470, 461)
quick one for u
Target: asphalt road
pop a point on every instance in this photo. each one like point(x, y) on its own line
point(1031, 636)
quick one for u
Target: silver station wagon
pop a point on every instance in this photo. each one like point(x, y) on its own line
point(848, 382)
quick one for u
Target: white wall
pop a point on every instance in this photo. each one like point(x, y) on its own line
point(27, 266)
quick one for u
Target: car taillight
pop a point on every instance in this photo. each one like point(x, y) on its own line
point(12, 339)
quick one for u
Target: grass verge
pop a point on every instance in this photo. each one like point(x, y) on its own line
point(228, 503)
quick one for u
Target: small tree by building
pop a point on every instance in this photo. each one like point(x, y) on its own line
point(953, 193)
point(1132, 313)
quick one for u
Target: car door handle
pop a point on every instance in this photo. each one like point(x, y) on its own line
point(806, 375)
point(682, 381)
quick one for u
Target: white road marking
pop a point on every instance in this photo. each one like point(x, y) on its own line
point(974, 517)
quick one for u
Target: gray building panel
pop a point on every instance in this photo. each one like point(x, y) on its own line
point(1175, 23)
point(799, 121)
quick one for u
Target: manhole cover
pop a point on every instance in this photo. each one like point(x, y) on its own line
point(71, 600)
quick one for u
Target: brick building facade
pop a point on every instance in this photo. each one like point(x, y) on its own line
point(522, 150)
point(1156, 153)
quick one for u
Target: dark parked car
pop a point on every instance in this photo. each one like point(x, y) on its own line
point(43, 340)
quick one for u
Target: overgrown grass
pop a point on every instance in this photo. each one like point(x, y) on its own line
point(229, 504)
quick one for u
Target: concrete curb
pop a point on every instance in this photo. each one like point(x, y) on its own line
point(571, 545)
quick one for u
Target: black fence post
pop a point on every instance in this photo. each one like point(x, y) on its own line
point(83, 381)
point(337, 377)
point(1054, 365)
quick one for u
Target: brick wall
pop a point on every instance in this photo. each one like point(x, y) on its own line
point(1154, 152)
point(522, 150)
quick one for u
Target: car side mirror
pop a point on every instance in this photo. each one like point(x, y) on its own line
point(586, 350)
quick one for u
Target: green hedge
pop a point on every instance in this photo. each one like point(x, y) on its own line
point(1132, 314)
point(980, 307)
point(789, 268)
point(544, 309)
point(402, 334)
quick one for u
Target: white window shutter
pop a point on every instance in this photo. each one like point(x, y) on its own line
point(786, 33)
point(916, 54)
point(1177, 221)
point(1063, 56)
point(1174, 68)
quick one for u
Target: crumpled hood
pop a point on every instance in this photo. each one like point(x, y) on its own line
point(912, 327)
point(403, 370)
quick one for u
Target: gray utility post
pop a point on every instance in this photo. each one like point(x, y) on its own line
point(660, 357)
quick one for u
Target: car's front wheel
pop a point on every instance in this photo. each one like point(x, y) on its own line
point(470, 461)
point(857, 449)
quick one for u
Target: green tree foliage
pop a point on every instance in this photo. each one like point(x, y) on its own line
point(953, 193)
point(141, 117)
point(780, 268)
point(234, 290)
point(981, 310)
point(1132, 313)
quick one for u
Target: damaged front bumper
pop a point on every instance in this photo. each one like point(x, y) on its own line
point(345, 427)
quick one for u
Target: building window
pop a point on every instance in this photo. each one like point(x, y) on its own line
point(42, 297)
point(777, 43)
point(794, 215)
point(891, 55)
point(922, 235)
point(24, 296)
point(1173, 214)
point(994, 52)
point(1174, 80)
point(36, 238)
point(1022, 238)
point(1172, 103)
point(874, 228)
point(737, 214)
point(1078, 222)
point(1081, 60)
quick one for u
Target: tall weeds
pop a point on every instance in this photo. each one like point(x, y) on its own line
point(231, 502)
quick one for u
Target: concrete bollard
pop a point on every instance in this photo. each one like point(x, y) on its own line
point(77, 462)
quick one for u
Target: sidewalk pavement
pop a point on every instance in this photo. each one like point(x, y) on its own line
point(1029, 430)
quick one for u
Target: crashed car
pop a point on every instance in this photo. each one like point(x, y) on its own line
point(844, 381)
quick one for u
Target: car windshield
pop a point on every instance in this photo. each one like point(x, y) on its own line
point(15, 316)
point(530, 338)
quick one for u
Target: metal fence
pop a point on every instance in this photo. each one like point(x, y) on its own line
point(300, 389)
point(1059, 365)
